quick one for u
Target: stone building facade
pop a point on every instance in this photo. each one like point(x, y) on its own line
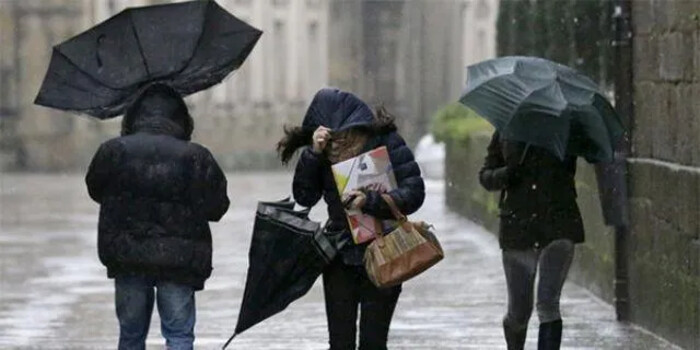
point(478, 22)
point(33, 137)
point(240, 119)
point(409, 56)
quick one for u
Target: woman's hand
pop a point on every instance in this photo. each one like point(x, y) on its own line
point(354, 200)
point(320, 139)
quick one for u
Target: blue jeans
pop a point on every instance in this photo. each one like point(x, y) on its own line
point(134, 298)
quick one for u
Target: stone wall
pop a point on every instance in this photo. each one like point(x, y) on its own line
point(664, 174)
point(573, 32)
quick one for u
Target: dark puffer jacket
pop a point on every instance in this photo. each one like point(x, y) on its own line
point(538, 194)
point(313, 179)
point(157, 193)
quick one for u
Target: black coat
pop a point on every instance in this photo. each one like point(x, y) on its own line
point(157, 193)
point(313, 177)
point(538, 194)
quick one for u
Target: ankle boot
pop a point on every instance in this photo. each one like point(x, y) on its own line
point(550, 336)
point(515, 338)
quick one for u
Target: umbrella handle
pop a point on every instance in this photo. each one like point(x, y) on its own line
point(229, 341)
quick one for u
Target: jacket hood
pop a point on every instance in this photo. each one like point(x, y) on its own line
point(160, 110)
point(338, 110)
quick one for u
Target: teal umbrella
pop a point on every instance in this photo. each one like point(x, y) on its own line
point(546, 104)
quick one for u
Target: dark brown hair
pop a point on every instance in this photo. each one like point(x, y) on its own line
point(298, 136)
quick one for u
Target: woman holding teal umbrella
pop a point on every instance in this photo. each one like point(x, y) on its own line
point(546, 115)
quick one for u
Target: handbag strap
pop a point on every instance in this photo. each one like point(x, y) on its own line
point(400, 217)
point(394, 208)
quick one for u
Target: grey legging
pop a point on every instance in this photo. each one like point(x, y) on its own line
point(520, 268)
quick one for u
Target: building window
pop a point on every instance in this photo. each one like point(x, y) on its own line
point(481, 42)
point(483, 10)
point(313, 3)
point(241, 84)
point(315, 54)
point(107, 8)
point(7, 105)
point(280, 2)
point(111, 7)
point(279, 78)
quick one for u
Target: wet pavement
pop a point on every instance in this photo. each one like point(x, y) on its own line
point(54, 293)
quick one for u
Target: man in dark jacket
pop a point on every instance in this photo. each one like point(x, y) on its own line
point(540, 223)
point(157, 191)
point(335, 117)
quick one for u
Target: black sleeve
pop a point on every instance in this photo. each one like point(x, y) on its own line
point(101, 169)
point(307, 185)
point(216, 200)
point(494, 175)
point(410, 192)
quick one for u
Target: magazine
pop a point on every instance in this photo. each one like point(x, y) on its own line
point(368, 171)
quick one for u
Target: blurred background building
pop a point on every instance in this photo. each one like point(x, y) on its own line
point(406, 54)
point(409, 56)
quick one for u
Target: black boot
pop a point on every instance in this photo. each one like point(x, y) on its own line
point(515, 338)
point(550, 336)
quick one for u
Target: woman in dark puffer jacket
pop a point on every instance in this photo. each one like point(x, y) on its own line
point(337, 126)
point(157, 192)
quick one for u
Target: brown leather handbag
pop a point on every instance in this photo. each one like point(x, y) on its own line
point(403, 253)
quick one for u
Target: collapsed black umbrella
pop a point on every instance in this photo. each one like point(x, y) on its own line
point(546, 104)
point(189, 46)
point(287, 254)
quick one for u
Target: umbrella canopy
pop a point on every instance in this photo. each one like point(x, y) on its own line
point(546, 104)
point(287, 254)
point(189, 46)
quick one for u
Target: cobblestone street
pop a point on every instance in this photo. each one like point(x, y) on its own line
point(54, 293)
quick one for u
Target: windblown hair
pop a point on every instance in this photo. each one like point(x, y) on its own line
point(171, 115)
point(298, 136)
point(294, 138)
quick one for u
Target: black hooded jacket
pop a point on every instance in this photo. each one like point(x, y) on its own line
point(157, 191)
point(313, 178)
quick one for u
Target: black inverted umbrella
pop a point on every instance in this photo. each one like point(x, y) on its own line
point(189, 46)
point(546, 104)
point(287, 254)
